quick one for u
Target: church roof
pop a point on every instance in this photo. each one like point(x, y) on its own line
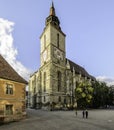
point(7, 72)
point(79, 70)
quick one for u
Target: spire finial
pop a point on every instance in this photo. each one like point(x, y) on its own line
point(52, 18)
point(52, 4)
point(52, 9)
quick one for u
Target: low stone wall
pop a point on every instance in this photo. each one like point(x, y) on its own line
point(11, 118)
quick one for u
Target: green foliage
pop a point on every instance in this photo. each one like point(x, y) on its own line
point(103, 95)
point(83, 93)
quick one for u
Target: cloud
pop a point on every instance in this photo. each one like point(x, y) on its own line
point(108, 80)
point(8, 50)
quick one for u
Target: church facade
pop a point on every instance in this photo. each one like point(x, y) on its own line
point(55, 81)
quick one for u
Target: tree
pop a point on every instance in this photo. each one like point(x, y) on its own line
point(83, 93)
point(101, 95)
point(111, 96)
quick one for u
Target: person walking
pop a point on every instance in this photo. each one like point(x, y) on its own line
point(83, 113)
point(86, 113)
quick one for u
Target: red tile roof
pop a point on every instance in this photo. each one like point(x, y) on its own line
point(7, 72)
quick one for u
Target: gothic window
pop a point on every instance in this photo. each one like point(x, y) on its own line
point(9, 89)
point(64, 101)
point(59, 80)
point(44, 98)
point(59, 99)
point(40, 82)
point(44, 81)
point(34, 89)
point(44, 41)
point(58, 40)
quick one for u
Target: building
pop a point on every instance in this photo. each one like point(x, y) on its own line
point(55, 81)
point(12, 93)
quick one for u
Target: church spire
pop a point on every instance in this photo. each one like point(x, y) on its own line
point(52, 18)
point(52, 9)
point(52, 4)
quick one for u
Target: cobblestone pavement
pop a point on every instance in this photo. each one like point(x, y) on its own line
point(64, 120)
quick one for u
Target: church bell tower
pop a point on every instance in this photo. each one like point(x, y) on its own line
point(52, 57)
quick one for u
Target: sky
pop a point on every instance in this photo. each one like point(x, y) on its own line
point(88, 25)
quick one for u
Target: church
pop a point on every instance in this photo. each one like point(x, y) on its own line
point(55, 81)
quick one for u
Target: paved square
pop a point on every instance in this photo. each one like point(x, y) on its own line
point(64, 120)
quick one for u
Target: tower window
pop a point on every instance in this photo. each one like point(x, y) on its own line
point(58, 40)
point(44, 81)
point(59, 80)
point(44, 41)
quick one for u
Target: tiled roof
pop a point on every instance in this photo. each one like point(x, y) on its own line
point(7, 72)
point(79, 70)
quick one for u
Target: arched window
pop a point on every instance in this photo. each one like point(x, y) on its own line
point(44, 98)
point(58, 40)
point(59, 99)
point(44, 41)
point(40, 88)
point(44, 81)
point(59, 80)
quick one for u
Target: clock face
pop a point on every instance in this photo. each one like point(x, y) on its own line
point(58, 54)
